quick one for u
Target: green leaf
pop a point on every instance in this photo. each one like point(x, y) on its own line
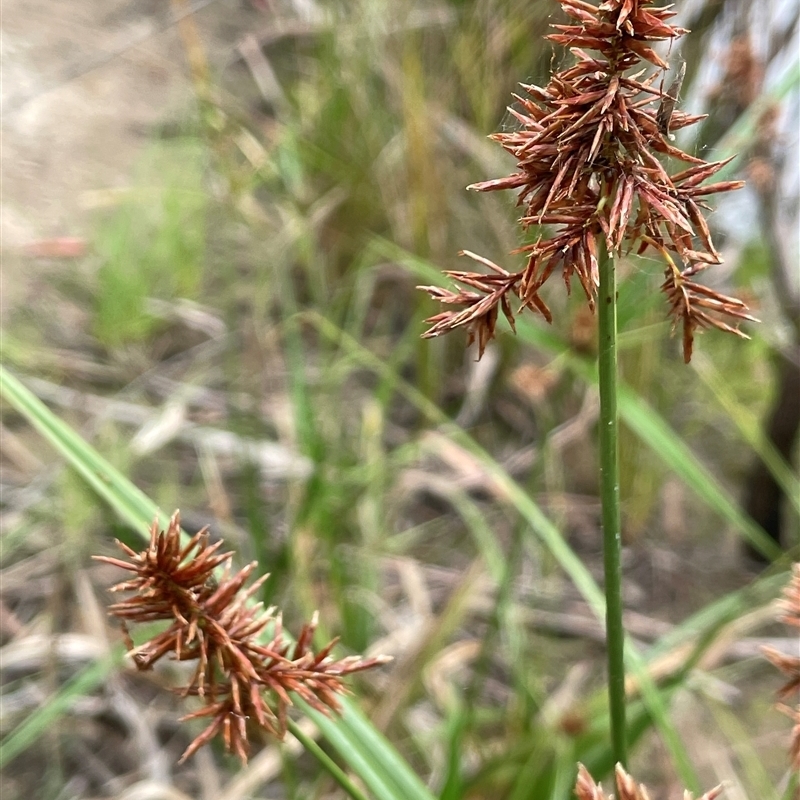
point(366, 751)
point(41, 720)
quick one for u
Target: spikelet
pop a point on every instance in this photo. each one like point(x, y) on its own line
point(241, 681)
point(627, 788)
point(789, 665)
point(588, 150)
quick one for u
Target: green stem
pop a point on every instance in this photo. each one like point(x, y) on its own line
point(333, 769)
point(609, 492)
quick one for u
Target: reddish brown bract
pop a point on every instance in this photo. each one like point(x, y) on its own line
point(242, 681)
point(789, 665)
point(587, 150)
point(627, 788)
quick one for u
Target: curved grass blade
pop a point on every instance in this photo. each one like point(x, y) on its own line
point(749, 429)
point(539, 524)
point(130, 503)
point(740, 135)
point(380, 766)
point(85, 681)
point(366, 751)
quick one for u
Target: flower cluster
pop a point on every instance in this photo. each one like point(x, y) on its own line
point(627, 789)
point(790, 665)
point(241, 680)
point(588, 149)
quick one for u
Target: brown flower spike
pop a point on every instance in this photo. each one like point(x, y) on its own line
point(627, 789)
point(240, 680)
point(790, 665)
point(588, 149)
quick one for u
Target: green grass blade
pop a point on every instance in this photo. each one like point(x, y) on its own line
point(727, 609)
point(540, 525)
point(739, 137)
point(749, 428)
point(85, 681)
point(380, 766)
point(651, 428)
point(362, 747)
point(130, 503)
point(663, 441)
point(330, 765)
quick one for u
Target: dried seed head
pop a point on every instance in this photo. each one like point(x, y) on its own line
point(587, 151)
point(789, 665)
point(242, 682)
point(794, 740)
point(627, 788)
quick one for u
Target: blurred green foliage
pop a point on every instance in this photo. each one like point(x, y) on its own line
point(154, 244)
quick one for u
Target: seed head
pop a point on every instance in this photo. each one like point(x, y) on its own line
point(789, 665)
point(627, 788)
point(588, 150)
point(241, 681)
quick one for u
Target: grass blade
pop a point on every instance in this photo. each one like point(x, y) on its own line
point(750, 429)
point(364, 749)
point(85, 681)
point(130, 503)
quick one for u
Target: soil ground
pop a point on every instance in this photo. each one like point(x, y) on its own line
point(84, 85)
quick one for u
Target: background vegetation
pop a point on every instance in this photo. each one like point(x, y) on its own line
point(241, 341)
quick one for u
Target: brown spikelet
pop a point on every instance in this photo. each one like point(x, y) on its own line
point(241, 680)
point(627, 788)
point(794, 739)
point(588, 152)
point(789, 665)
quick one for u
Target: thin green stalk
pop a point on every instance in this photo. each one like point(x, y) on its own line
point(334, 770)
point(609, 493)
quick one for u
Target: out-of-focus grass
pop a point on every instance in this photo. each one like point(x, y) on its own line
point(409, 532)
point(153, 245)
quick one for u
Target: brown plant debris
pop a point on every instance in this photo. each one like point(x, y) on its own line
point(790, 665)
point(627, 788)
point(242, 680)
point(588, 149)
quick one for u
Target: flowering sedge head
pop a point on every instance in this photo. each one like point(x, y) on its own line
point(627, 788)
point(588, 151)
point(789, 664)
point(243, 678)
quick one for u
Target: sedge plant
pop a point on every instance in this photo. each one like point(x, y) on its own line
point(594, 151)
point(592, 187)
point(241, 679)
point(211, 621)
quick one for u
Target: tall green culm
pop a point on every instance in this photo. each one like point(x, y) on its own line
point(592, 188)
